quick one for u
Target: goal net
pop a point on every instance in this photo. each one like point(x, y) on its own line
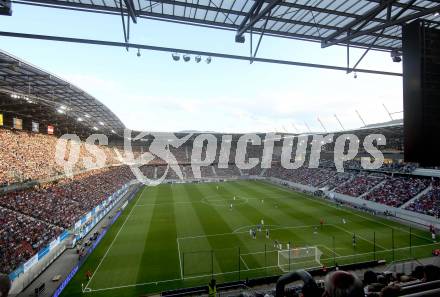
point(299, 258)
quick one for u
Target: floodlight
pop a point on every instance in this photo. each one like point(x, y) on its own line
point(139, 53)
point(208, 60)
point(176, 56)
point(95, 128)
point(6, 9)
point(240, 39)
point(198, 59)
point(79, 119)
point(396, 56)
point(186, 58)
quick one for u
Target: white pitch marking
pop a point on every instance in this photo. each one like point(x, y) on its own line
point(114, 239)
point(353, 212)
point(361, 237)
point(231, 272)
point(180, 260)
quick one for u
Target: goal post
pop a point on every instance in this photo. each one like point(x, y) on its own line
point(299, 258)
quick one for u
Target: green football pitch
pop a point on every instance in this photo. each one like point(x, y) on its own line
point(180, 235)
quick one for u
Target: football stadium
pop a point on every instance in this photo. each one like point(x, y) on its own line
point(118, 180)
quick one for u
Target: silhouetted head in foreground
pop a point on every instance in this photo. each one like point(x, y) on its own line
point(432, 273)
point(5, 285)
point(343, 284)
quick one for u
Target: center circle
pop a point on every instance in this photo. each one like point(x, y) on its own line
point(224, 202)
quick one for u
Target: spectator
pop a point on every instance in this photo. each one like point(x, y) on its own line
point(431, 273)
point(5, 285)
point(390, 291)
point(343, 284)
point(418, 272)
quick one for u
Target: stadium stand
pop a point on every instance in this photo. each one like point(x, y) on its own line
point(362, 183)
point(63, 201)
point(30, 156)
point(396, 191)
point(21, 237)
point(33, 217)
point(429, 203)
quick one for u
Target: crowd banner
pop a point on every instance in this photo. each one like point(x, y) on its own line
point(17, 123)
point(66, 281)
point(14, 274)
point(35, 127)
point(54, 243)
point(43, 252)
point(64, 235)
point(83, 226)
point(31, 262)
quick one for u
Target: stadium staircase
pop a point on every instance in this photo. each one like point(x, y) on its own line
point(373, 188)
point(213, 170)
point(155, 173)
point(263, 171)
point(241, 172)
point(416, 197)
point(342, 184)
point(184, 171)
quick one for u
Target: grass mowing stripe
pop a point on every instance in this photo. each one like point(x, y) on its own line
point(226, 251)
point(160, 242)
point(375, 221)
point(185, 219)
point(180, 220)
point(114, 239)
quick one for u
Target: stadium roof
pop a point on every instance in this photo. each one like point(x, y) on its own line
point(27, 82)
point(371, 24)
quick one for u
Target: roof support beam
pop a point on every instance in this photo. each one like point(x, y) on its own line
point(190, 52)
point(131, 10)
point(256, 7)
point(393, 22)
point(362, 21)
point(253, 19)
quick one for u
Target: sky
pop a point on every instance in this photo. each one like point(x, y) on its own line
point(154, 93)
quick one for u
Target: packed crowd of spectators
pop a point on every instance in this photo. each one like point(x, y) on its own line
point(398, 190)
point(396, 167)
point(48, 208)
point(21, 237)
point(29, 156)
point(37, 215)
point(429, 203)
point(230, 171)
point(337, 180)
point(360, 184)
